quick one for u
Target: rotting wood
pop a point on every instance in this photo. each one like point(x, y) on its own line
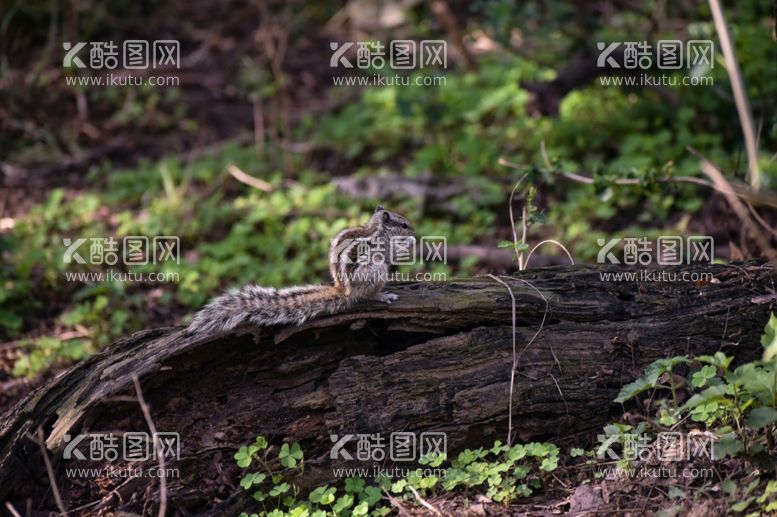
point(437, 360)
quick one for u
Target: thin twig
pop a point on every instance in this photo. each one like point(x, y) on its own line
point(246, 178)
point(550, 241)
point(542, 323)
point(544, 154)
point(396, 503)
point(160, 453)
point(11, 509)
point(447, 19)
point(739, 208)
point(740, 189)
point(524, 227)
point(50, 471)
point(740, 94)
point(424, 502)
point(515, 361)
point(517, 357)
point(560, 392)
point(518, 255)
point(761, 220)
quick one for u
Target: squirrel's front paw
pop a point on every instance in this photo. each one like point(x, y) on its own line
point(386, 297)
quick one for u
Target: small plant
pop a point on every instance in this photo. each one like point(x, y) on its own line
point(506, 473)
point(502, 473)
point(274, 488)
point(530, 215)
point(739, 405)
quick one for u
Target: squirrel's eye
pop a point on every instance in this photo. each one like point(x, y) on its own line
point(404, 226)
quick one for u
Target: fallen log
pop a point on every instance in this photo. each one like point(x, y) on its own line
point(437, 360)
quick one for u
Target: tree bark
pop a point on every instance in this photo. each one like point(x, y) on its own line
point(439, 359)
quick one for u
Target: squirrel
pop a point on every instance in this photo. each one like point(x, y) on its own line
point(359, 271)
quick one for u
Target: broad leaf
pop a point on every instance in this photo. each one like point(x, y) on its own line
point(761, 417)
point(769, 338)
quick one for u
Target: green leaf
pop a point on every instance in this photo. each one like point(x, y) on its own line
point(727, 446)
point(290, 455)
point(370, 496)
point(742, 505)
point(729, 487)
point(244, 455)
point(708, 395)
point(650, 378)
point(342, 503)
point(354, 485)
point(279, 489)
point(700, 378)
point(549, 464)
point(633, 389)
point(467, 456)
point(761, 417)
point(251, 479)
point(719, 360)
point(752, 486)
point(399, 486)
point(769, 338)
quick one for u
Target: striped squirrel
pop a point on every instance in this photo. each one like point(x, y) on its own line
point(355, 279)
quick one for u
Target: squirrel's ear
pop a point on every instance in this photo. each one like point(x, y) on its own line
point(386, 217)
point(379, 208)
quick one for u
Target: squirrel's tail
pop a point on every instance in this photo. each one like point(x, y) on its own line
point(263, 306)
